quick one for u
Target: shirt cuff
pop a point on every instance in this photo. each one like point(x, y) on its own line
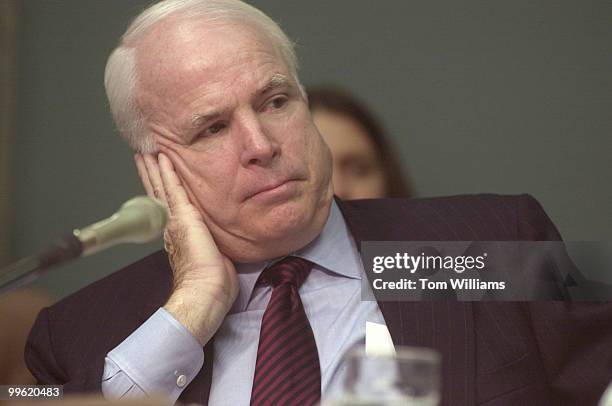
point(161, 356)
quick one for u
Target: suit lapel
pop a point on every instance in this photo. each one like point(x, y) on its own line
point(446, 326)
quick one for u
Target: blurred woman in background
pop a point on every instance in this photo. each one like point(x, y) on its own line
point(364, 165)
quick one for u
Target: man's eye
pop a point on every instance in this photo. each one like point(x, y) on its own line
point(277, 103)
point(214, 129)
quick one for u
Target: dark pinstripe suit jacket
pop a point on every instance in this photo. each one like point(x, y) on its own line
point(543, 353)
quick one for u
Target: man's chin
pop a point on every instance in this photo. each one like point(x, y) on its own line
point(276, 231)
point(294, 220)
point(282, 220)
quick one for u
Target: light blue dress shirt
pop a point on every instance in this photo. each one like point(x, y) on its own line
point(162, 357)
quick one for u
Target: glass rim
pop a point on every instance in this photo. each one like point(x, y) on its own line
point(402, 352)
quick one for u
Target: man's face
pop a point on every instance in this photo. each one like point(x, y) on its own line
point(224, 107)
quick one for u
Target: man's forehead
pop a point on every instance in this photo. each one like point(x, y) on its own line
point(172, 52)
point(194, 40)
point(180, 59)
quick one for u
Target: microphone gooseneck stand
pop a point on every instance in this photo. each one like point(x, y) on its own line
point(139, 220)
point(28, 269)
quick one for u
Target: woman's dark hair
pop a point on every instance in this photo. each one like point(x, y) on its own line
point(340, 101)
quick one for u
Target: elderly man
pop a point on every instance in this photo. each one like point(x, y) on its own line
point(258, 296)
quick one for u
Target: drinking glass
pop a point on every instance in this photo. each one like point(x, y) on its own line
point(410, 377)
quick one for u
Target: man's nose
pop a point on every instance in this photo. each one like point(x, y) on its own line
point(260, 146)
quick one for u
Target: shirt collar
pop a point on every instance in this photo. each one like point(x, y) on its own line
point(333, 250)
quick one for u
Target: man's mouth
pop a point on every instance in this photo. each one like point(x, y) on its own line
point(277, 188)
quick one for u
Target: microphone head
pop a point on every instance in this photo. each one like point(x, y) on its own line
point(148, 217)
point(139, 220)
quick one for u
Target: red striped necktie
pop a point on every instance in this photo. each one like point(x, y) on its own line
point(287, 370)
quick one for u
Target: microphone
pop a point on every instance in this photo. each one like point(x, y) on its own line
point(139, 220)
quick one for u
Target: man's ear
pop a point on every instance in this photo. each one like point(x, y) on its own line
point(143, 174)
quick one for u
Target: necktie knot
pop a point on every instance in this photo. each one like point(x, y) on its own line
point(291, 270)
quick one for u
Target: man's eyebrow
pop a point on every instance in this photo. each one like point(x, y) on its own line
point(199, 119)
point(277, 80)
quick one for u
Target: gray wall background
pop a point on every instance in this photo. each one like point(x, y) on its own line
point(479, 96)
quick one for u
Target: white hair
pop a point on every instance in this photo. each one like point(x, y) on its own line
point(121, 76)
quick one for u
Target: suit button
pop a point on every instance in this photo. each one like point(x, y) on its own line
point(181, 381)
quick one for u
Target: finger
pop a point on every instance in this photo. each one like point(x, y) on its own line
point(167, 241)
point(173, 156)
point(142, 173)
point(154, 177)
point(179, 204)
point(175, 193)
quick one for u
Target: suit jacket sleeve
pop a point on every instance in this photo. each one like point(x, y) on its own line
point(41, 361)
point(574, 338)
point(39, 353)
